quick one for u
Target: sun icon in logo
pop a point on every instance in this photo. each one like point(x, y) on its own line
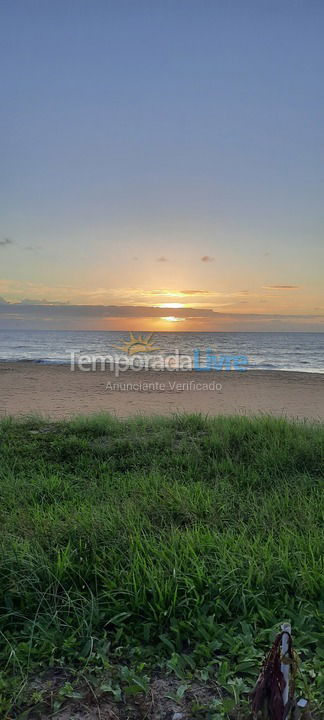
point(139, 344)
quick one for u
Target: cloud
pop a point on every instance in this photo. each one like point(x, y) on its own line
point(61, 310)
point(207, 258)
point(104, 311)
point(280, 287)
point(106, 317)
point(30, 301)
point(162, 259)
point(6, 241)
point(197, 292)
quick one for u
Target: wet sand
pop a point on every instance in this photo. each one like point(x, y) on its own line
point(56, 392)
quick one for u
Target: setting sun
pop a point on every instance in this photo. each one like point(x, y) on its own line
point(171, 305)
point(172, 318)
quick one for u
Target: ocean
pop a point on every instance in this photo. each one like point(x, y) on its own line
point(293, 351)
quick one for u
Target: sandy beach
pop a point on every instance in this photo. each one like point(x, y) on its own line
point(56, 392)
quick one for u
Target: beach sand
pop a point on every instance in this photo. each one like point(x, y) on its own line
point(56, 392)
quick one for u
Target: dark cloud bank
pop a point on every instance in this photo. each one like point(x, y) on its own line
point(25, 315)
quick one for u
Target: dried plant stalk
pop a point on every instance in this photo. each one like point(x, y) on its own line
point(267, 700)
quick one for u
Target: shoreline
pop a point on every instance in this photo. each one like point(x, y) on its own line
point(53, 391)
point(249, 369)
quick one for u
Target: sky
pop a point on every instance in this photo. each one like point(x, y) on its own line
point(162, 164)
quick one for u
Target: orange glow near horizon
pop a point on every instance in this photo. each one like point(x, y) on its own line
point(257, 306)
point(158, 324)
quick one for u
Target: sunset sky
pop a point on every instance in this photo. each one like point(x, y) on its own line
point(162, 164)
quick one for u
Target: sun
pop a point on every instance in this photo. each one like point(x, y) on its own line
point(172, 318)
point(171, 305)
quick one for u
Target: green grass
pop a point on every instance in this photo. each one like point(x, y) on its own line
point(182, 541)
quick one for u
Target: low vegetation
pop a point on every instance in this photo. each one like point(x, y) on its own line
point(156, 551)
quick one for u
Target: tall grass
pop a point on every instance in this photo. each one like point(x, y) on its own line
point(156, 531)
